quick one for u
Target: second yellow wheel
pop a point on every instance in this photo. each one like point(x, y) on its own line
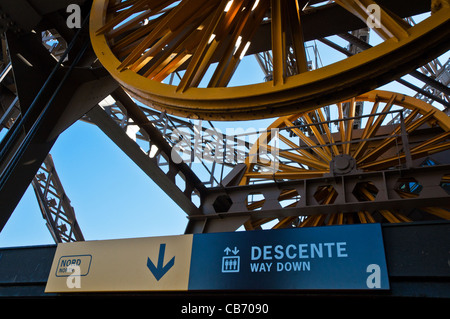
point(307, 145)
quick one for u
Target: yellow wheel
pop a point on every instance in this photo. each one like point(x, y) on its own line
point(306, 145)
point(143, 42)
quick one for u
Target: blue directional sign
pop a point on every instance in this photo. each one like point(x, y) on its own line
point(333, 257)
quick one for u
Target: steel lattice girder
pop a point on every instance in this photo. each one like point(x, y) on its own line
point(55, 205)
point(430, 177)
point(166, 181)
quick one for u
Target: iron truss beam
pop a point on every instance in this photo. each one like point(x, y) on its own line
point(55, 205)
point(165, 180)
point(387, 182)
point(191, 140)
point(151, 165)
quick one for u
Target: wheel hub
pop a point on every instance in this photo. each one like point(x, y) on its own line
point(342, 164)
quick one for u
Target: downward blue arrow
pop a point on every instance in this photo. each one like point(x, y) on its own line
point(159, 271)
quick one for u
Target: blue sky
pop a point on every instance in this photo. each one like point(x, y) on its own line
point(111, 196)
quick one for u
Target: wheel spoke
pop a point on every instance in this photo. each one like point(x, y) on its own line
point(365, 217)
point(278, 41)
point(416, 152)
point(293, 11)
point(314, 147)
point(327, 132)
point(341, 125)
point(440, 212)
point(362, 145)
point(349, 129)
point(317, 134)
point(374, 127)
point(304, 153)
point(249, 21)
point(125, 14)
point(201, 58)
point(389, 141)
